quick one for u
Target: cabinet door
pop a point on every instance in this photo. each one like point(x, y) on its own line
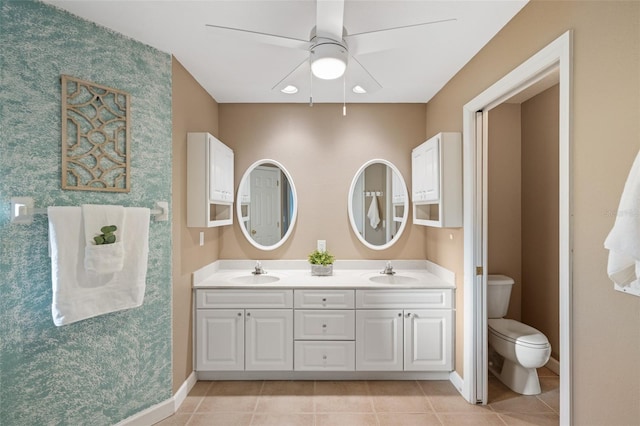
point(379, 340)
point(431, 164)
point(220, 339)
point(417, 173)
point(397, 189)
point(220, 172)
point(428, 340)
point(269, 339)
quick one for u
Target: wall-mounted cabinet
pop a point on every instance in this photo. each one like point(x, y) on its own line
point(209, 181)
point(436, 174)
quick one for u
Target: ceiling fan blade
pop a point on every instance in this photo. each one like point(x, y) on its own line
point(358, 75)
point(329, 19)
point(379, 40)
point(298, 74)
point(272, 39)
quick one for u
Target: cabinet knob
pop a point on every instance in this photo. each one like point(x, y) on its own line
point(324, 357)
point(399, 314)
point(253, 232)
point(248, 314)
point(324, 299)
point(239, 314)
point(324, 325)
point(409, 315)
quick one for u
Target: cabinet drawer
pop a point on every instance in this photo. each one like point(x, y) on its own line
point(325, 356)
point(324, 325)
point(226, 298)
point(324, 299)
point(404, 299)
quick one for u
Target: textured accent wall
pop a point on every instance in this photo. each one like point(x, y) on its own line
point(101, 370)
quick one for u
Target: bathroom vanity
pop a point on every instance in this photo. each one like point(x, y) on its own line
point(358, 323)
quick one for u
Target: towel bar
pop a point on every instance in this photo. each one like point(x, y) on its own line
point(23, 210)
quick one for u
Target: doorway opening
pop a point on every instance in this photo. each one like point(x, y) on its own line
point(525, 80)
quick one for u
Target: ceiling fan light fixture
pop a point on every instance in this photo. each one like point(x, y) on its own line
point(289, 90)
point(328, 60)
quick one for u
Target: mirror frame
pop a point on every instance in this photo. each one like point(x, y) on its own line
point(405, 216)
point(294, 215)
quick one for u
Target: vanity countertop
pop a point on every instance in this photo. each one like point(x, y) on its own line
point(410, 274)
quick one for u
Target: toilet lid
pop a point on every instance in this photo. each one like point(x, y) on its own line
point(517, 332)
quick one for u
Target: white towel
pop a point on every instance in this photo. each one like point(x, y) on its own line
point(80, 294)
point(106, 258)
point(623, 242)
point(373, 214)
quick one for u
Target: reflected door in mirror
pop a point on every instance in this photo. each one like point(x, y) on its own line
point(264, 219)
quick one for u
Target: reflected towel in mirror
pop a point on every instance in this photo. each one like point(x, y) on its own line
point(373, 214)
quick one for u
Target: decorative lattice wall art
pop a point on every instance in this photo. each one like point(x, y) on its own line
point(95, 136)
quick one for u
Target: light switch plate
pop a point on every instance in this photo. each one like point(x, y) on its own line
point(322, 245)
point(201, 238)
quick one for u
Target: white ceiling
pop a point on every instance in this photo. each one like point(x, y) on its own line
point(412, 66)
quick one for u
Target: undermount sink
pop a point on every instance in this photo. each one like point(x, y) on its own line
point(393, 279)
point(255, 279)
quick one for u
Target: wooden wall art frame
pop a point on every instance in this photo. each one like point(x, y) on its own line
point(95, 137)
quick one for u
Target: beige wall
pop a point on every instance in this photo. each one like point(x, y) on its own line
point(504, 193)
point(193, 111)
point(322, 150)
point(606, 135)
point(540, 223)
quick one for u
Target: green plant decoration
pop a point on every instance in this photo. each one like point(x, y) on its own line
point(321, 258)
point(107, 236)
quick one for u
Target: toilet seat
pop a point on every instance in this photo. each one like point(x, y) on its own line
point(517, 333)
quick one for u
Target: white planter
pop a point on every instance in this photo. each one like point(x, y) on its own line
point(321, 270)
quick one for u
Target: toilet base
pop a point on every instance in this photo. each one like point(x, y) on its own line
point(517, 378)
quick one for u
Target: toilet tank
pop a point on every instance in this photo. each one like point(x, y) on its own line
point(498, 295)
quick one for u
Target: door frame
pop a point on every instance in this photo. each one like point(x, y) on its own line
point(557, 56)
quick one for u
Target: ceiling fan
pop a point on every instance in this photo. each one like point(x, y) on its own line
point(330, 48)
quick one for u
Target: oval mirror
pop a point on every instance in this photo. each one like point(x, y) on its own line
point(267, 204)
point(378, 204)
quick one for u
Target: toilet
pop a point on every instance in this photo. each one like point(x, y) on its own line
point(515, 349)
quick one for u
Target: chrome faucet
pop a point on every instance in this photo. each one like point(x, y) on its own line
point(258, 269)
point(388, 269)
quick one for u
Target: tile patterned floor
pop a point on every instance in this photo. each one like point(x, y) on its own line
point(362, 403)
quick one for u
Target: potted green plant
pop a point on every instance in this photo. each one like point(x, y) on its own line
point(321, 263)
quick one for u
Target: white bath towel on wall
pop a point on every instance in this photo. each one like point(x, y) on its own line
point(80, 294)
point(105, 258)
point(623, 242)
point(373, 214)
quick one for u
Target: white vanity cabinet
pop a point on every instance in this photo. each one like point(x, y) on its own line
point(436, 177)
point(324, 330)
point(240, 330)
point(410, 330)
point(302, 332)
point(210, 181)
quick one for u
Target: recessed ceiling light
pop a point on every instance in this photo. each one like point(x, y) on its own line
point(290, 90)
point(359, 90)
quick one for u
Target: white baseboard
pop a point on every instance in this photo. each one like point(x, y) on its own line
point(553, 365)
point(457, 381)
point(163, 410)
